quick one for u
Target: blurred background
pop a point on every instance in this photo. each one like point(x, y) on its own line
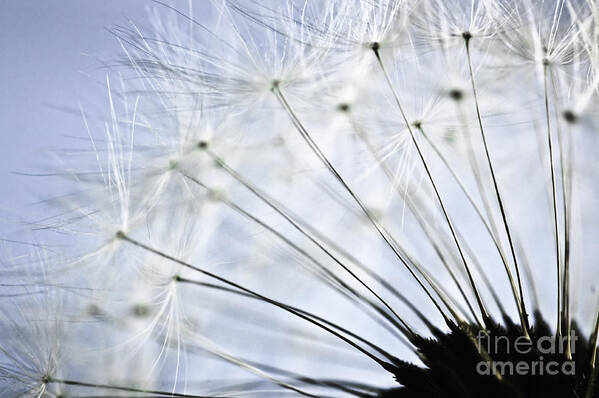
point(51, 60)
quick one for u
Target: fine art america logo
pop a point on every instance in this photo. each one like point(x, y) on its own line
point(545, 356)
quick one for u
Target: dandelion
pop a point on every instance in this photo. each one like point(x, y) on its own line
point(348, 198)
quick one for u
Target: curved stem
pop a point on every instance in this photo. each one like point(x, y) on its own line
point(481, 305)
point(328, 277)
point(593, 359)
point(523, 314)
point(121, 235)
point(126, 389)
point(554, 202)
point(378, 227)
point(438, 244)
point(566, 169)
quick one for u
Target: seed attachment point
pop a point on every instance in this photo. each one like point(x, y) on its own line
point(94, 311)
point(140, 310)
point(569, 116)
point(456, 94)
point(202, 145)
point(343, 107)
point(216, 195)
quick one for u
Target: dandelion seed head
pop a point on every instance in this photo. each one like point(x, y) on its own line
point(328, 199)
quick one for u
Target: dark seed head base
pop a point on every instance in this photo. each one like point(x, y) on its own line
point(451, 361)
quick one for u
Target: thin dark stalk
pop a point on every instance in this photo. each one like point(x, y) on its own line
point(353, 387)
point(481, 305)
point(379, 279)
point(491, 230)
point(481, 271)
point(403, 327)
point(381, 231)
point(593, 359)
point(477, 173)
point(524, 314)
point(491, 225)
point(304, 312)
point(122, 236)
point(127, 389)
point(566, 168)
point(529, 275)
point(447, 300)
point(554, 202)
point(325, 275)
point(435, 241)
point(271, 202)
point(407, 330)
point(436, 286)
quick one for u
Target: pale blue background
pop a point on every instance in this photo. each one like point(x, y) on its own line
point(50, 54)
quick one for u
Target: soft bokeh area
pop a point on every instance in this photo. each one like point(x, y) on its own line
point(51, 57)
